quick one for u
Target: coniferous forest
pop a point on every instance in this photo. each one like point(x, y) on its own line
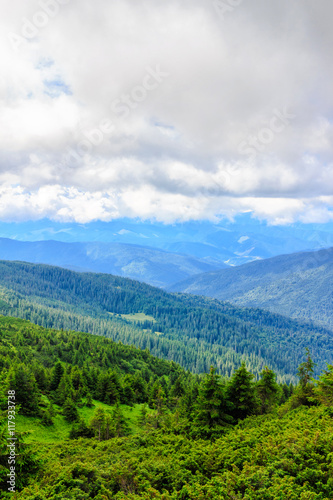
point(99, 419)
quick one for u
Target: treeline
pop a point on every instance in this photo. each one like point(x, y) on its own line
point(195, 332)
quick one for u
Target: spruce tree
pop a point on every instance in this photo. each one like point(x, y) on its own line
point(267, 390)
point(212, 411)
point(324, 388)
point(58, 372)
point(97, 422)
point(241, 393)
point(119, 422)
point(70, 411)
point(22, 381)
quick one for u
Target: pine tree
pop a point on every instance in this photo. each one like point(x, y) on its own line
point(70, 411)
point(267, 390)
point(305, 369)
point(22, 381)
point(212, 411)
point(47, 420)
point(80, 429)
point(64, 391)
point(89, 401)
point(142, 418)
point(119, 422)
point(241, 393)
point(58, 372)
point(304, 392)
point(97, 422)
point(324, 389)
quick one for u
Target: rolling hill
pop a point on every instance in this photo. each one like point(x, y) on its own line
point(298, 285)
point(192, 331)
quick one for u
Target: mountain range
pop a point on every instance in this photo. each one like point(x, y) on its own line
point(298, 285)
point(234, 242)
point(151, 265)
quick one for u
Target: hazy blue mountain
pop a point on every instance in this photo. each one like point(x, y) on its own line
point(154, 266)
point(233, 242)
point(299, 285)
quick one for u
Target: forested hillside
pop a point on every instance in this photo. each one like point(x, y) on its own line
point(297, 285)
point(97, 419)
point(192, 331)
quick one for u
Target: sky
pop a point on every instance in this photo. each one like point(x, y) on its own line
point(173, 111)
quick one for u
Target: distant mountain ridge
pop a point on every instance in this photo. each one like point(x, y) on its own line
point(298, 285)
point(151, 265)
point(235, 242)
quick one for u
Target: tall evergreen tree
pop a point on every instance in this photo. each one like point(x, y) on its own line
point(119, 422)
point(267, 390)
point(324, 388)
point(70, 411)
point(97, 422)
point(241, 393)
point(22, 381)
point(58, 372)
point(212, 411)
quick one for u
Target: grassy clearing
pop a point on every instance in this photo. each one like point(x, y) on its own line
point(140, 317)
point(59, 432)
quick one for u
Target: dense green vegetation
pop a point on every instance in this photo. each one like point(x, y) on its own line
point(298, 285)
point(192, 331)
point(110, 421)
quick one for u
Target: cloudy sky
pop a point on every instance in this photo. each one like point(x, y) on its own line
point(177, 110)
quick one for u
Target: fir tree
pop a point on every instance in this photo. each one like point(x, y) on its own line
point(22, 381)
point(324, 389)
point(241, 393)
point(97, 422)
point(58, 372)
point(267, 390)
point(119, 422)
point(212, 412)
point(70, 411)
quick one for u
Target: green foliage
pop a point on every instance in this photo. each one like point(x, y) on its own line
point(22, 381)
point(323, 390)
point(304, 393)
point(267, 390)
point(70, 411)
point(241, 392)
point(306, 369)
point(57, 374)
point(196, 332)
point(212, 411)
point(184, 446)
point(263, 458)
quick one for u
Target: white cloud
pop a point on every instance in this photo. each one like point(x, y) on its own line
point(166, 146)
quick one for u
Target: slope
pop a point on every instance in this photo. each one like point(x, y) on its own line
point(299, 285)
point(192, 331)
